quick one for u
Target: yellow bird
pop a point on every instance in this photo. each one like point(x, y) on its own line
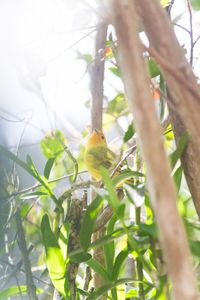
point(98, 154)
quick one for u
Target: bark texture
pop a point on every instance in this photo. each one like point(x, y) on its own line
point(160, 184)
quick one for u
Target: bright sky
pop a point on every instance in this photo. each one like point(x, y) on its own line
point(40, 42)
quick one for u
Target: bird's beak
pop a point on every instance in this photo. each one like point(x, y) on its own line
point(96, 130)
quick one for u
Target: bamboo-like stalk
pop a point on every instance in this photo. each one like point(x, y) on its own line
point(160, 184)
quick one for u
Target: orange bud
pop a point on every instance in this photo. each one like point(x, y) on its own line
point(156, 95)
point(108, 51)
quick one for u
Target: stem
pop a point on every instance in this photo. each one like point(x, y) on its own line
point(191, 33)
point(139, 265)
point(31, 289)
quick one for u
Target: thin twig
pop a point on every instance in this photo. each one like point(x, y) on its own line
point(197, 39)
point(31, 289)
point(191, 33)
point(182, 27)
point(71, 46)
point(12, 121)
point(131, 150)
point(38, 184)
point(66, 149)
point(74, 187)
point(16, 268)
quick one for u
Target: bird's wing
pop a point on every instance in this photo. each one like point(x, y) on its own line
point(101, 157)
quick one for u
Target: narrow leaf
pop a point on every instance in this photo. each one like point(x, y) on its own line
point(109, 248)
point(149, 229)
point(112, 199)
point(125, 175)
point(115, 71)
point(63, 239)
point(178, 177)
point(79, 258)
point(104, 289)
point(179, 150)
point(153, 68)
point(31, 169)
point(129, 133)
point(48, 167)
point(119, 262)
point(135, 193)
point(16, 290)
point(54, 258)
point(113, 236)
point(97, 267)
point(89, 221)
point(13, 157)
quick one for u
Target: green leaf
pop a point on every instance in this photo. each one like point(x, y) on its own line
point(16, 290)
point(195, 247)
point(129, 133)
point(31, 169)
point(80, 257)
point(115, 71)
point(153, 68)
point(119, 262)
point(114, 294)
point(48, 167)
point(113, 236)
point(164, 2)
point(87, 57)
point(195, 4)
point(51, 145)
point(178, 177)
point(13, 157)
point(179, 150)
point(149, 229)
point(109, 248)
point(63, 239)
point(34, 194)
point(117, 105)
point(135, 193)
point(125, 175)
point(54, 258)
point(104, 289)
point(97, 267)
point(112, 199)
point(121, 211)
point(89, 221)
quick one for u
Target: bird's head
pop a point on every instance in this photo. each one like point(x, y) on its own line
point(97, 138)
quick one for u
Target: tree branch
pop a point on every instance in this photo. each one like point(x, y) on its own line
point(161, 188)
point(182, 92)
point(97, 77)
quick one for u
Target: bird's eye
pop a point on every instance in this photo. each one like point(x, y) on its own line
point(102, 137)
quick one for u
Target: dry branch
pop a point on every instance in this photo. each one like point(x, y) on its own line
point(97, 77)
point(160, 184)
point(186, 101)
